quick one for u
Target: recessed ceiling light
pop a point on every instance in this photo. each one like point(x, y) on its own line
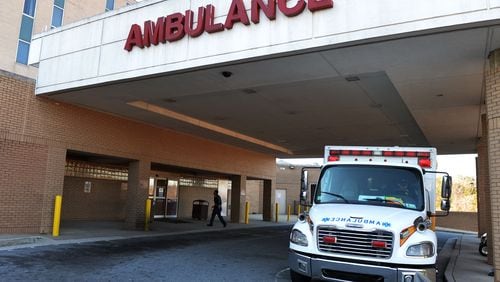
point(351, 78)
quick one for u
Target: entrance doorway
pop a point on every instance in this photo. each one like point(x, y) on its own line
point(281, 200)
point(172, 198)
point(165, 198)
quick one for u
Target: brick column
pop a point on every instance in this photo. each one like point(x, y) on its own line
point(268, 201)
point(492, 77)
point(238, 198)
point(483, 184)
point(54, 183)
point(138, 185)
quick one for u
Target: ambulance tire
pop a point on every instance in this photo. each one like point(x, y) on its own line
point(297, 277)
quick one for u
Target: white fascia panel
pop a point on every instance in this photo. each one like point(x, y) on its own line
point(34, 53)
point(72, 40)
point(229, 41)
point(494, 3)
point(356, 15)
point(115, 60)
point(284, 30)
point(349, 20)
point(75, 66)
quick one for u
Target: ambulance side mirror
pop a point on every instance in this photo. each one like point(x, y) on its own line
point(445, 205)
point(303, 187)
point(446, 193)
point(446, 187)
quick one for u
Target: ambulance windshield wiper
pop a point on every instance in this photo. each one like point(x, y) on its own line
point(335, 195)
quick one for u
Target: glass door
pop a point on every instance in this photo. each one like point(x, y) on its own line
point(172, 198)
point(160, 199)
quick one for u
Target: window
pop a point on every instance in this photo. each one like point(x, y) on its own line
point(29, 7)
point(371, 185)
point(96, 171)
point(198, 182)
point(57, 13)
point(110, 4)
point(25, 32)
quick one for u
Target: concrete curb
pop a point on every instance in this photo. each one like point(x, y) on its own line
point(20, 241)
point(40, 241)
point(453, 247)
point(456, 230)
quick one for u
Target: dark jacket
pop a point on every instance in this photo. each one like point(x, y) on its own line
point(218, 202)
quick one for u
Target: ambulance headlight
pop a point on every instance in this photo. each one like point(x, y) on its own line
point(298, 238)
point(425, 249)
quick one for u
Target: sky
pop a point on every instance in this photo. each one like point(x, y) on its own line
point(455, 165)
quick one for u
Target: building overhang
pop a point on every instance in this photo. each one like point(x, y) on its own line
point(358, 72)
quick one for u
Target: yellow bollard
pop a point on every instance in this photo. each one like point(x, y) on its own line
point(147, 216)
point(247, 212)
point(277, 211)
point(57, 216)
point(298, 210)
point(288, 213)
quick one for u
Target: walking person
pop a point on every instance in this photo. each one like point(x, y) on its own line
point(216, 209)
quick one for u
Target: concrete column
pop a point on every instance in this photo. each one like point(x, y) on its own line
point(54, 183)
point(238, 198)
point(268, 201)
point(492, 77)
point(138, 184)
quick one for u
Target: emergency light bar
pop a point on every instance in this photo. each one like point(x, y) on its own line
point(424, 160)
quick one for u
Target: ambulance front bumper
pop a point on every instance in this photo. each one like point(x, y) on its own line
point(333, 270)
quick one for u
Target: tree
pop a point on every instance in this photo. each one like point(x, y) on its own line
point(463, 196)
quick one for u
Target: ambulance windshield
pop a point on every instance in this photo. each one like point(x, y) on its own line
point(371, 185)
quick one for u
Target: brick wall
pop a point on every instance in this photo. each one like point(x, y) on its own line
point(459, 220)
point(21, 185)
point(254, 195)
point(492, 78)
point(483, 189)
point(106, 201)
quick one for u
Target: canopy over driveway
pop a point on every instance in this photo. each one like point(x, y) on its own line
point(415, 82)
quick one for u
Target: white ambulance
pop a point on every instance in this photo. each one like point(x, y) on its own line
point(372, 216)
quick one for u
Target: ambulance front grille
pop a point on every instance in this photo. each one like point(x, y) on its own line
point(375, 244)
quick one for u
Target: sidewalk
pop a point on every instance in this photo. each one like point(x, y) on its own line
point(466, 264)
point(93, 231)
